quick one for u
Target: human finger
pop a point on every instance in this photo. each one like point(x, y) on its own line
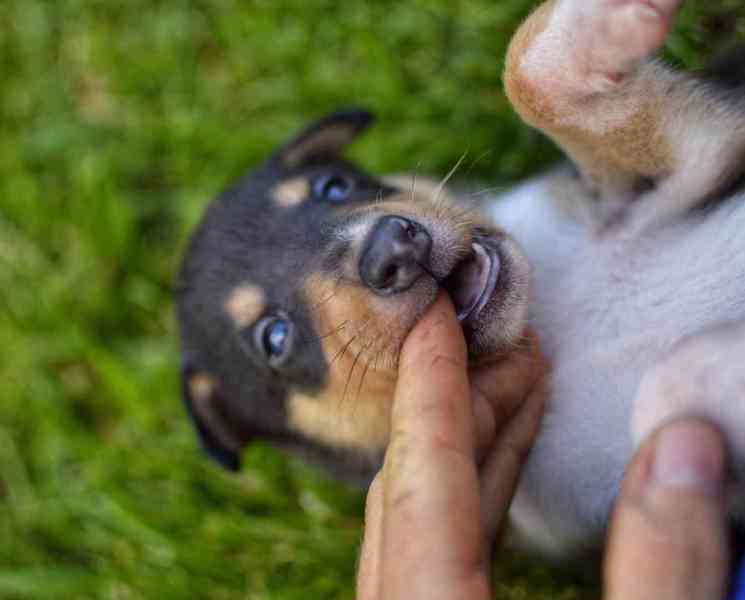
point(431, 501)
point(506, 381)
point(368, 573)
point(501, 471)
point(668, 534)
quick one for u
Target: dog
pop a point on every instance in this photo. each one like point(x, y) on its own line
point(300, 286)
point(302, 281)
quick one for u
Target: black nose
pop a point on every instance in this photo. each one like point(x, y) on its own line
point(396, 254)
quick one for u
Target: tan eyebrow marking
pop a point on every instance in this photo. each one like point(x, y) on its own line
point(245, 304)
point(292, 192)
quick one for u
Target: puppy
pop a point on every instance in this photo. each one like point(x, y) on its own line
point(303, 280)
point(300, 286)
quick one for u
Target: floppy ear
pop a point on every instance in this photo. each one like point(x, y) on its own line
point(202, 398)
point(324, 139)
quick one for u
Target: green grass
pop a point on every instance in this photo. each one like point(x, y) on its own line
point(118, 122)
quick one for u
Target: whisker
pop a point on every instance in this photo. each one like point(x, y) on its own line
point(414, 179)
point(478, 159)
point(494, 188)
point(330, 296)
point(359, 354)
point(342, 351)
point(346, 346)
point(441, 186)
point(365, 370)
point(333, 331)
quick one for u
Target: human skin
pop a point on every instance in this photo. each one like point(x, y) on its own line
point(460, 436)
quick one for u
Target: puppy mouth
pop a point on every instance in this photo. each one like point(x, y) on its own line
point(473, 281)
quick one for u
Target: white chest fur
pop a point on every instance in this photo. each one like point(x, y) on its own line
point(607, 309)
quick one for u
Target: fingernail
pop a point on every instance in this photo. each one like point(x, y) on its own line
point(689, 455)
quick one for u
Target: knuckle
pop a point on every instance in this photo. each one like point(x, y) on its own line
point(403, 499)
point(446, 361)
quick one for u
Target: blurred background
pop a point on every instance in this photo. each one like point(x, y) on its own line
point(118, 122)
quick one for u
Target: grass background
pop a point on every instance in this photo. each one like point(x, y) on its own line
point(118, 122)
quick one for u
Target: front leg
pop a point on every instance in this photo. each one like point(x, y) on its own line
point(703, 376)
point(580, 71)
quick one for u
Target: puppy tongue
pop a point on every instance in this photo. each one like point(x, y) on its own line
point(468, 280)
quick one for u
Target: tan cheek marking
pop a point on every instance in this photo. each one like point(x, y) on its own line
point(353, 410)
point(291, 193)
point(353, 322)
point(245, 304)
point(202, 388)
point(357, 423)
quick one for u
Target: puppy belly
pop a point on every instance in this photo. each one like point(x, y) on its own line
point(607, 311)
point(574, 471)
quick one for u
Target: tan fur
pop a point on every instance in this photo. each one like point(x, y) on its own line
point(529, 100)
point(420, 186)
point(353, 410)
point(202, 388)
point(637, 147)
point(359, 423)
point(614, 137)
point(354, 322)
point(332, 137)
point(291, 193)
point(245, 304)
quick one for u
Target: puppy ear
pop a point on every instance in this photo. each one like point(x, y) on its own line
point(203, 400)
point(324, 139)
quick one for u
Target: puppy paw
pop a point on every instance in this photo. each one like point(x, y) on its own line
point(591, 46)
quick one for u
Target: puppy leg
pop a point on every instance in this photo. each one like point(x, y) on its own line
point(579, 71)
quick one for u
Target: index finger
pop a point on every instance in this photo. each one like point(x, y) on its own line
point(431, 500)
point(432, 404)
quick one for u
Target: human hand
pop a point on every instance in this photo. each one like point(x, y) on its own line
point(458, 442)
point(668, 534)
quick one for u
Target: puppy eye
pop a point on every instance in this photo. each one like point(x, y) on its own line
point(332, 188)
point(273, 338)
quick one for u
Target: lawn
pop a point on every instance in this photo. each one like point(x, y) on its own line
point(118, 122)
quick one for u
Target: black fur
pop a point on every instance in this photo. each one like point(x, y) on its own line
point(245, 237)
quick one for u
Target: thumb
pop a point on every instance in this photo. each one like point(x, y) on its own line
point(668, 534)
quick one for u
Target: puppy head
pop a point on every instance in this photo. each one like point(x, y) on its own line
point(301, 284)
